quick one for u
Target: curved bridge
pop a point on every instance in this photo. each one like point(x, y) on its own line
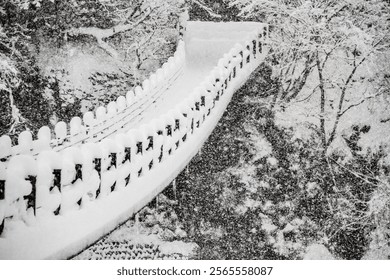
point(61, 192)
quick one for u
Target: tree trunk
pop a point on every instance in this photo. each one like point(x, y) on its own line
point(322, 105)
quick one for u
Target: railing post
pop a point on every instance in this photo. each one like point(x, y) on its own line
point(265, 32)
point(248, 58)
point(184, 138)
point(261, 40)
point(140, 151)
point(2, 189)
point(192, 125)
point(31, 198)
point(79, 172)
point(177, 127)
point(127, 158)
point(57, 180)
point(98, 167)
point(79, 175)
point(56, 184)
point(127, 155)
point(113, 164)
point(169, 133)
point(160, 157)
point(2, 198)
point(203, 104)
point(150, 146)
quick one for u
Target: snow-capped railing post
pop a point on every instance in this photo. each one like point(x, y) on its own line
point(77, 131)
point(72, 185)
point(148, 155)
point(127, 159)
point(79, 176)
point(89, 122)
point(49, 183)
point(109, 166)
point(190, 116)
point(159, 126)
point(137, 139)
point(168, 134)
point(60, 130)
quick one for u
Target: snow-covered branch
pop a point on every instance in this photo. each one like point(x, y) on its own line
point(207, 9)
point(101, 34)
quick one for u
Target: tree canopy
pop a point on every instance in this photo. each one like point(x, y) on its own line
point(334, 48)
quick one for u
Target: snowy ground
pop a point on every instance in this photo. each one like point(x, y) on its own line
point(155, 233)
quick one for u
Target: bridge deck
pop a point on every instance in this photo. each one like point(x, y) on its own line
point(206, 43)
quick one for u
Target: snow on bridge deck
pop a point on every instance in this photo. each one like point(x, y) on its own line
point(61, 217)
point(206, 43)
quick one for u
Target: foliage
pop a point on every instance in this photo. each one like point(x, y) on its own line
point(211, 10)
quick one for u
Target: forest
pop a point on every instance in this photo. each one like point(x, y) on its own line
point(307, 167)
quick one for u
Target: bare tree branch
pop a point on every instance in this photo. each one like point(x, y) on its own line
point(322, 104)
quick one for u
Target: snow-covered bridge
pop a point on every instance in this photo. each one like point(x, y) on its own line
point(64, 190)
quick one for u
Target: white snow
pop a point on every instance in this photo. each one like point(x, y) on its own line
point(317, 252)
point(25, 142)
point(82, 219)
point(61, 130)
point(177, 247)
point(5, 146)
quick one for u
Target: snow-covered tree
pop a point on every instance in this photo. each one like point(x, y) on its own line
point(21, 85)
point(141, 18)
point(128, 31)
point(327, 49)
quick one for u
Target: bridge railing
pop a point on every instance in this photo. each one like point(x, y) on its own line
point(94, 127)
point(43, 180)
